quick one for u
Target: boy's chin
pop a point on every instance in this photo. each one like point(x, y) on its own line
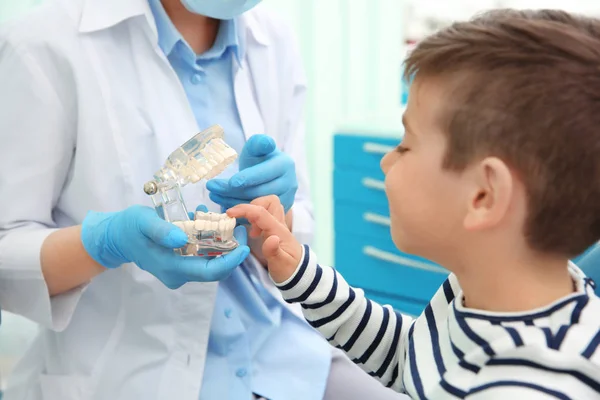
point(401, 243)
point(406, 246)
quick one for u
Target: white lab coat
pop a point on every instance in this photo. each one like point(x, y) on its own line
point(89, 109)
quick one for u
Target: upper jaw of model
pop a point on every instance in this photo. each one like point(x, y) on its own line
point(204, 156)
point(206, 223)
point(218, 156)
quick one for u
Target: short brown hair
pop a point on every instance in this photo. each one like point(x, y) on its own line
point(525, 87)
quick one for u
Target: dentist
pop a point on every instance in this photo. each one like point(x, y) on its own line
point(94, 95)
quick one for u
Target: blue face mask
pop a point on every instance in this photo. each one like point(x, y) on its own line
point(220, 9)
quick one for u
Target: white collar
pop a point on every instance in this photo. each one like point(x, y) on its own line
point(103, 14)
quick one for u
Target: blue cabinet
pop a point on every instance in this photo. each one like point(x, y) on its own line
point(589, 262)
point(364, 251)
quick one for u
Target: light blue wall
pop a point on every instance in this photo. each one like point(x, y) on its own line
point(352, 52)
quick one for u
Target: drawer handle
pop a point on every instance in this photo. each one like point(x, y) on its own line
point(376, 148)
point(403, 261)
point(377, 219)
point(371, 183)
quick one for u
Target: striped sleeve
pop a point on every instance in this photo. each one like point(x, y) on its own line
point(536, 373)
point(375, 337)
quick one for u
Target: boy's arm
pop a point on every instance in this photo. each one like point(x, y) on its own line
point(374, 336)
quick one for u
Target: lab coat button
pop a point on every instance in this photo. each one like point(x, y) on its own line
point(228, 312)
point(240, 373)
point(196, 78)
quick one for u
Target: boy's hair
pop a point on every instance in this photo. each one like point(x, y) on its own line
point(524, 86)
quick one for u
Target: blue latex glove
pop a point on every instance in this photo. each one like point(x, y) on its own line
point(137, 234)
point(264, 170)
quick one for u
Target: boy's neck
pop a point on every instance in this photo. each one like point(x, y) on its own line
point(502, 284)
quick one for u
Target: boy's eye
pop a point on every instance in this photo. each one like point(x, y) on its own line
point(401, 149)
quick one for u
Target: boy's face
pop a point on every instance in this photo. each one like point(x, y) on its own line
point(427, 203)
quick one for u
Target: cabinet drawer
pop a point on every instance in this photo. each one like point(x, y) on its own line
point(355, 187)
point(370, 220)
point(404, 306)
point(375, 264)
point(359, 152)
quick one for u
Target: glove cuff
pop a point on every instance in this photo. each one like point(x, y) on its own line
point(96, 242)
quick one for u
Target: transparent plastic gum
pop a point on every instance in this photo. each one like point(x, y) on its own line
point(204, 156)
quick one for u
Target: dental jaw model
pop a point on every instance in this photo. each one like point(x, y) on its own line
point(204, 156)
point(209, 234)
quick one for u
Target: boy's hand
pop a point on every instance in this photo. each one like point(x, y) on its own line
point(280, 248)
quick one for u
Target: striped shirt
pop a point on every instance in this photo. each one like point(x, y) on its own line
point(452, 352)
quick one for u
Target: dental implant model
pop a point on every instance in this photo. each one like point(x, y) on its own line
point(209, 234)
point(204, 156)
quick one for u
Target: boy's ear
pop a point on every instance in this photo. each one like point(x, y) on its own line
point(491, 194)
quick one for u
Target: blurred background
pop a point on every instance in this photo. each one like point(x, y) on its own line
point(353, 51)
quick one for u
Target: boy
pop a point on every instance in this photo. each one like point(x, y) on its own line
point(498, 179)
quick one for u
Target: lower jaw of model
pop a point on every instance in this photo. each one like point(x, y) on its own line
point(209, 234)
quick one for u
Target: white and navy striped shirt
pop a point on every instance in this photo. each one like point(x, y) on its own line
point(451, 352)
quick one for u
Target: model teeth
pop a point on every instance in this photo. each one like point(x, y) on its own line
point(204, 222)
point(199, 225)
point(179, 224)
point(195, 178)
point(216, 156)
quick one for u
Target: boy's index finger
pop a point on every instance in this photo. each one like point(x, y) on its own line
point(253, 213)
point(238, 211)
point(265, 201)
point(260, 217)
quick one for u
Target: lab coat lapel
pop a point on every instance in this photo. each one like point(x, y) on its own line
point(246, 97)
point(267, 85)
point(163, 91)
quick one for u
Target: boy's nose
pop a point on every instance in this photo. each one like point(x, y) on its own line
point(386, 162)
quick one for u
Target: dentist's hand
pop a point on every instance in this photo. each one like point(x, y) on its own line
point(264, 170)
point(280, 248)
point(137, 234)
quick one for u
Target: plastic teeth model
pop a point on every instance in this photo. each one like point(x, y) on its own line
point(218, 156)
point(209, 234)
point(204, 156)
